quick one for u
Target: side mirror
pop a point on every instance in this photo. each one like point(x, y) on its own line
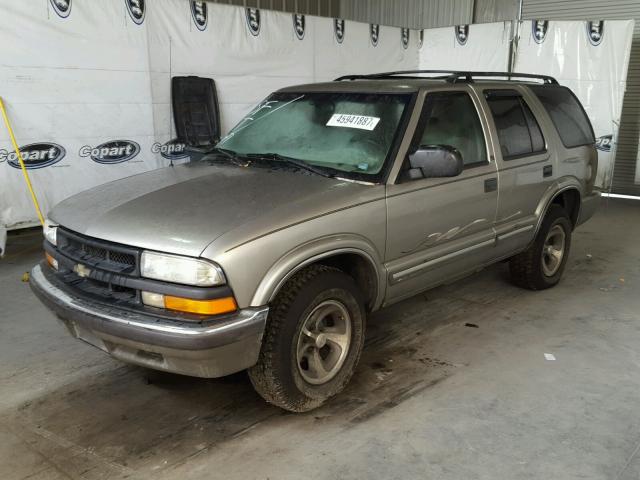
point(434, 161)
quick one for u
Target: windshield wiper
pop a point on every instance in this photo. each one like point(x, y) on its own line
point(230, 154)
point(291, 161)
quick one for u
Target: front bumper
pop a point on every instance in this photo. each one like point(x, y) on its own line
point(208, 349)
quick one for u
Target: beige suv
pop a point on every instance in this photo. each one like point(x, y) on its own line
point(327, 202)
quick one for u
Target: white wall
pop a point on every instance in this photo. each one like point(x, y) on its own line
point(596, 72)
point(485, 48)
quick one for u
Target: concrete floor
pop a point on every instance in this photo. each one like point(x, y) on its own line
point(432, 397)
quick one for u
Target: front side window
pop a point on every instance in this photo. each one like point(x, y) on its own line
point(348, 134)
point(451, 119)
point(518, 131)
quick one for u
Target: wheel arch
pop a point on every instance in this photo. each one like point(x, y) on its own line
point(355, 256)
point(568, 194)
point(570, 200)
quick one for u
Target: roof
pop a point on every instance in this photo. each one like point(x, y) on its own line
point(399, 85)
point(410, 81)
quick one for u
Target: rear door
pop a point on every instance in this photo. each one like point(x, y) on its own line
point(525, 164)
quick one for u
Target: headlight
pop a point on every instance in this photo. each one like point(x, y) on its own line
point(50, 231)
point(177, 269)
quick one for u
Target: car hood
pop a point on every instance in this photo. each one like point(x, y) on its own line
point(185, 208)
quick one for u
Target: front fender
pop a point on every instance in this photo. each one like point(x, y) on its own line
point(316, 250)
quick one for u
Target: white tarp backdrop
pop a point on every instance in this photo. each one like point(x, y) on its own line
point(88, 86)
point(592, 59)
point(479, 47)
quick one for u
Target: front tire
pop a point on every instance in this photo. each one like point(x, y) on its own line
point(542, 264)
point(313, 339)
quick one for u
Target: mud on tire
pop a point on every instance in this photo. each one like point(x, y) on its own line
point(278, 376)
point(527, 268)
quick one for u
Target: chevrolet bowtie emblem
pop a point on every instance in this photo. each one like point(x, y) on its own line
point(81, 270)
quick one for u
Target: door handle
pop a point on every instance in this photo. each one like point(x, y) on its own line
point(491, 185)
point(547, 171)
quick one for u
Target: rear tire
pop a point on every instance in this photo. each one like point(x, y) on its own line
point(542, 264)
point(313, 340)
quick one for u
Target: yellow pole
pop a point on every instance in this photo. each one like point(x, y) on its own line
point(21, 160)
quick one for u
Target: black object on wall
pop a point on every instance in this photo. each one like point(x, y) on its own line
point(195, 111)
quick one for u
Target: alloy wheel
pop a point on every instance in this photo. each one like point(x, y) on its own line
point(553, 250)
point(323, 342)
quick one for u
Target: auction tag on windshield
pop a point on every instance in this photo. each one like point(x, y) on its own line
point(353, 121)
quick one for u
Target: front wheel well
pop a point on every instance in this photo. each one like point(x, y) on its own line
point(360, 269)
point(570, 201)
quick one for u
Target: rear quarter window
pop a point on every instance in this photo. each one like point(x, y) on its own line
point(518, 131)
point(567, 115)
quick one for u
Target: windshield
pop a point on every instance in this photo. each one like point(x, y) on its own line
point(349, 134)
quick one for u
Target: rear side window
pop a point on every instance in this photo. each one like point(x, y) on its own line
point(518, 130)
point(567, 115)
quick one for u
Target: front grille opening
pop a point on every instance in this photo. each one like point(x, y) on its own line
point(122, 258)
point(114, 294)
point(102, 259)
point(95, 252)
point(98, 254)
point(107, 291)
point(120, 289)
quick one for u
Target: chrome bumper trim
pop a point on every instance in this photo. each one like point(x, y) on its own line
point(207, 349)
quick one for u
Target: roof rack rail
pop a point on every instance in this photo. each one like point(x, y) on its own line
point(450, 76)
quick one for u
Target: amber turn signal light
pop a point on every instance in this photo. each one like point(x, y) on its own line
point(216, 306)
point(53, 263)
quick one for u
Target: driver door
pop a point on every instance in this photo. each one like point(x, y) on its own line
point(442, 228)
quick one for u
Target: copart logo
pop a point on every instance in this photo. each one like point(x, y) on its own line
point(136, 10)
point(462, 33)
point(35, 155)
point(115, 151)
point(604, 143)
point(539, 30)
point(595, 31)
point(374, 33)
point(404, 37)
point(199, 14)
point(299, 23)
point(172, 150)
point(253, 20)
point(338, 29)
point(61, 7)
